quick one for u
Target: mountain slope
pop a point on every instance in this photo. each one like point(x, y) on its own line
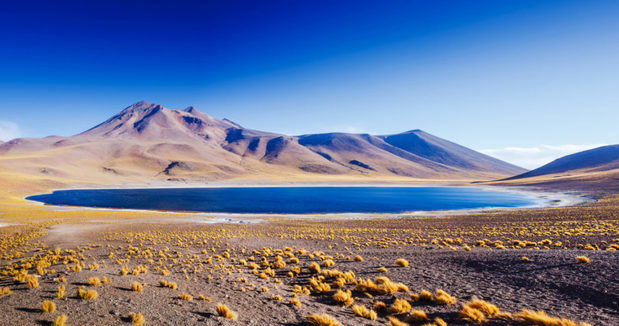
point(147, 141)
point(597, 159)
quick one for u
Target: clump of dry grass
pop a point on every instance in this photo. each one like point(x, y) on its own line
point(60, 320)
point(87, 295)
point(358, 258)
point(48, 306)
point(382, 269)
point(226, 312)
point(295, 302)
point(525, 259)
point(32, 282)
point(5, 291)
point(317, 286)
point(94, 281)
point(540, 318)
point(137, 319)
point(185, 297)
point(442, 297)
point(401, 262)
point(470, 314)
point(396, 322)
point(323, 320)
point(364, 312)
point(582, 260)
point(483, 306)
point(61, 290)
point(136, 286)
point(343, 298)
point(314, 268)
point(400, 306)
point(417, 316)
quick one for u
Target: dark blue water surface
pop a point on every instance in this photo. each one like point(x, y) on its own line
point(290, 200)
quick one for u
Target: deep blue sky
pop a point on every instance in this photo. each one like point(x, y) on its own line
point(485, 74)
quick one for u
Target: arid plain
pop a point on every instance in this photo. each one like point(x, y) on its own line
point(81, 266)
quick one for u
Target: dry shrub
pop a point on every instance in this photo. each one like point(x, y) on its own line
point(417, 316)
point(94, 281)
point(185, 297)
point(48, 306)
point(323, 320)
point(358, 258)
point(137, 319)
point(582, 259)
point(314, 268)
point(396, 322)
point(32, 282)
point(442, 297)
point(224, 311)
point(136, 286)
point(60, 321)
point(540, 318)
point(470, 314)
point(343, 298)
point(364, 312)
point(400, 306)
point(483, 306)
point(401, 262)
point(5, 291)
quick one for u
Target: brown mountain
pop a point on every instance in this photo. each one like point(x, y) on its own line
point(147, 141)
point(594, 169)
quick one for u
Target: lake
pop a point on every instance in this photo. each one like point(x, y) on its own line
point(290, 200)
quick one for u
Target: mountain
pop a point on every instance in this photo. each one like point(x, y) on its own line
point(595, 169)
point(598, 159)
point(147, 141)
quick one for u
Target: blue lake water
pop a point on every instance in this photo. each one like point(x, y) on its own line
point(290, 200)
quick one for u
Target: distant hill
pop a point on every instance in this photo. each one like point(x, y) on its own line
point(598, 159)
point(146, 141)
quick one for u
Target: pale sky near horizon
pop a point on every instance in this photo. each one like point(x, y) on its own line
point(524, 81)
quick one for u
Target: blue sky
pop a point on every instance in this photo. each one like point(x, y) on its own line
point(526, 81)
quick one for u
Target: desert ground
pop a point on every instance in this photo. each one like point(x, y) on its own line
point(73, 266)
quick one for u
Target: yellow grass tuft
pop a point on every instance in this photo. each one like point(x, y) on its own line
point(343, 298)
point(582, 259)
point(382, 269)
point(60, 321)
point(32, 282)
point(364, 312)
point(417, 316)
point(396, 322)
point(5, 291)
point(137, 319)
point(525, 259)
point(87, 295)
point(358, 258)
point(48, 306)
point(400, 306)
point(540, 318)
point(185, 297)
point(224, 311)
point(401, 262)
point(483, 306)
point(470, 314)
point(323, 320)
point(94, 281)
point(136, 286)
point(314, 268)
point(295, 302)
point(441, 297)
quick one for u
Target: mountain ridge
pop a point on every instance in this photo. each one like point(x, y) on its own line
point(147, 140)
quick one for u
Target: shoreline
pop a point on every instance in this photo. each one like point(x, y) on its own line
point(543, 198)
